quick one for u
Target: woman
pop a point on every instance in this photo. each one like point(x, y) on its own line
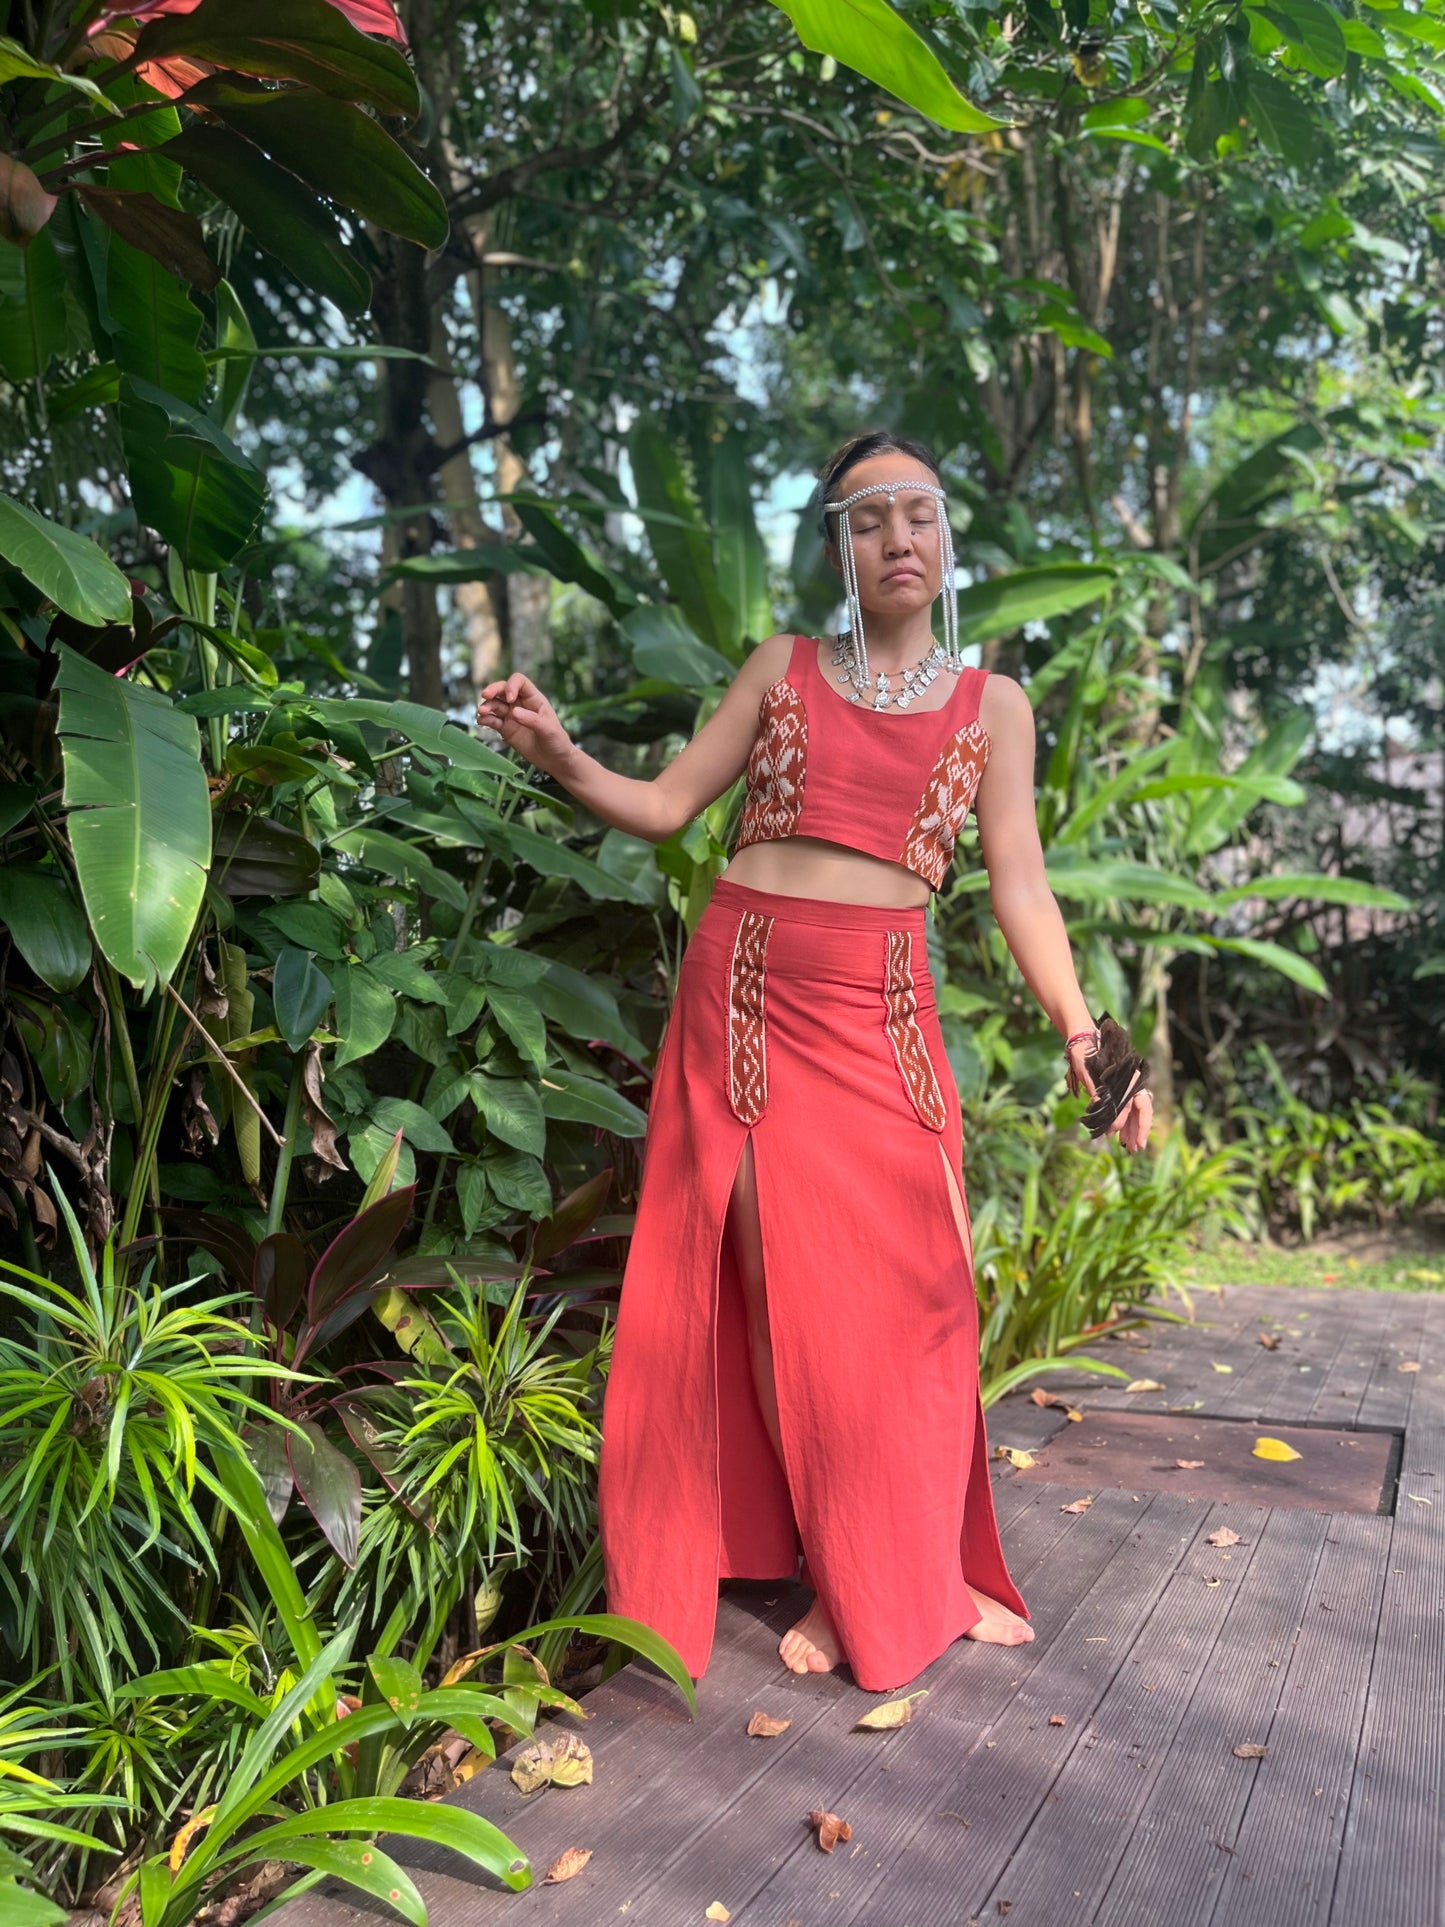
point(795, 1366)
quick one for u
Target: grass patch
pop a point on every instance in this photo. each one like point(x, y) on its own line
point(1239, 1263)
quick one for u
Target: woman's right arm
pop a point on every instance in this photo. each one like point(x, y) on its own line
point(650, 807)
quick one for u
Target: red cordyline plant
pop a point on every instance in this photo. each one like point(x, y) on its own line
point(175, 76)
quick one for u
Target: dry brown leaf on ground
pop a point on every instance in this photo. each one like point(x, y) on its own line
point(1269, 1340)
point(894, 1713)
point(1143, 1385)
point(1189, 1465)
point(1057, 1719)
point(565, 1761)
point(1251, 1750)
point(830, 1829)
point(1409, 1365)
point(568, 1865)
point(1041, 1397)
point(1225, 1536)
point(717, 1911)
point(762, 1726)
point(1016, 1455)
point(1079, 1505)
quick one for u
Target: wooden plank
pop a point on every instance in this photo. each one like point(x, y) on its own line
point(1285, 1857)
point(1284, 1383)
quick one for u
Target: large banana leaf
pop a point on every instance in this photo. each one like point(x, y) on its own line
point(742, 559)
point(684, 556)
point(71, 570)
point(1004, 603)
point(140, 817)
point(869, 37)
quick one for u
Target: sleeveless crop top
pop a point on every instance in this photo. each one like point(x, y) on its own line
point(898, 786)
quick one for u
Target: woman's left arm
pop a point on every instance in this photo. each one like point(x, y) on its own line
point(1026, 908)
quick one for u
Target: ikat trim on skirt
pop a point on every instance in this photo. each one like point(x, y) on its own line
point(747, 1044)
point(777, 768)
point(940, 816)
point(906, 1036)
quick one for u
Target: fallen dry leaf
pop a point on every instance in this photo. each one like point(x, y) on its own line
point(1041, 1397)
point(1057, 1719)
point(1079, 1505)
point(1274, 1449)
point(830, 1830)
point(568, 1865)
point(1220, 1368)
point(1409, 1365)
point(762, 1726)
point(717, 1911)
point(1144, 1385)
point(1269, 1340)
point(565, 1761)
point(1225, 1536)
point(1189, 1465)
point(1419, 1498)
point(1015, 1455)
point(1214, 1582)
point(1251, 1750)
point(895, 1713)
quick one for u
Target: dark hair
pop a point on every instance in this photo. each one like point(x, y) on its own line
point(861, 448)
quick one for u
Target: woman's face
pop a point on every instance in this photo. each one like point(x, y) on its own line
point(900, 568)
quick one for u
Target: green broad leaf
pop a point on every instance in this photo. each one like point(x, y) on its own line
point(301, 994)
point(393, 856)
point(567, 1094)
point(1073, 330)
point(585, 1007)
point(153, 324)
point(987, 610)
point(17, 64)
point(684, 555)
point(517, 1013)
point(1127, 882)
point(399, 1683)
point(471, 565)
point(1311, 31)
point(312, 926)
point(306, 40)
point(334, 147)
point(632, 1634)
point(454, 1827)
point(664, 646)
point(69, 569)
point(21, 1907)
point(189, 480)
point(869, 37)
point(742, 560)
point(569, 561)
point(140, 817)
point(512, 1110)
point(236, 342)
point(365, 1013)
point(1287, 962)
point(47, 925)
point(210, 1681)
point(403, 972)
point(362, 1866)
point(552, 859)
point(1285, 123)
point(427, 729)
point(418, 1127)
point(236, 1483)
point(519, 1181)
point(33, 314)
point(1316, 889)
point(278, 212)
point(478, 1208)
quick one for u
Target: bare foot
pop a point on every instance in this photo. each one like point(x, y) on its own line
point(999, 1626)
point(812, 1645)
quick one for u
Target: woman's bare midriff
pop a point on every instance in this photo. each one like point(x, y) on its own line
point(808, 866)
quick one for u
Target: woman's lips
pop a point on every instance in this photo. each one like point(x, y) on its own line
point(904, 575)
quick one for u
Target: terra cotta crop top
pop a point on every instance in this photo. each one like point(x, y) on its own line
point(893, 784)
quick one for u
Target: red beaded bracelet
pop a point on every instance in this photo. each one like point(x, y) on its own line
point(1078, 1036)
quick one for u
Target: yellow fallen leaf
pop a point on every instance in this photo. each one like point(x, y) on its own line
point(1419, 1498)
point(565, 1761)
point(1079, 1505)
point(1410, 1365)
point(1274, 1449)
point(1220, 1368)
point(568, 1865)
point(1214, 1582)
point(895, 1713)
point(717, 1911)
point(1015, 1454)
point(193, 1826)
point(1225, 1536)
point(1144, 1385)
point(471, 1766)
point(764, 1726)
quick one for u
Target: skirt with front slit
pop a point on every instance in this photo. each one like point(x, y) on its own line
point(810, 1027)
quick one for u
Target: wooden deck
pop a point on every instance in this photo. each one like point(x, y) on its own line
point(1088, 1776)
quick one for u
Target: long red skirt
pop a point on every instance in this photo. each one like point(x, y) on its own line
point(811, 1026)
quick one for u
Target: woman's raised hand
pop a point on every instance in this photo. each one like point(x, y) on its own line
point(1134, 1119)
point(526, 721)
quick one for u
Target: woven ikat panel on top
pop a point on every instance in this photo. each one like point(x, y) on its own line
point(777, 768)
point(946, 802)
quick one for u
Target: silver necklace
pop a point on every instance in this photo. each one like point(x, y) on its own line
point(914, 680)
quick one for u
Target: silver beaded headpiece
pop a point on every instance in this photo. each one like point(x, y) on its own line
point(852, 624)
